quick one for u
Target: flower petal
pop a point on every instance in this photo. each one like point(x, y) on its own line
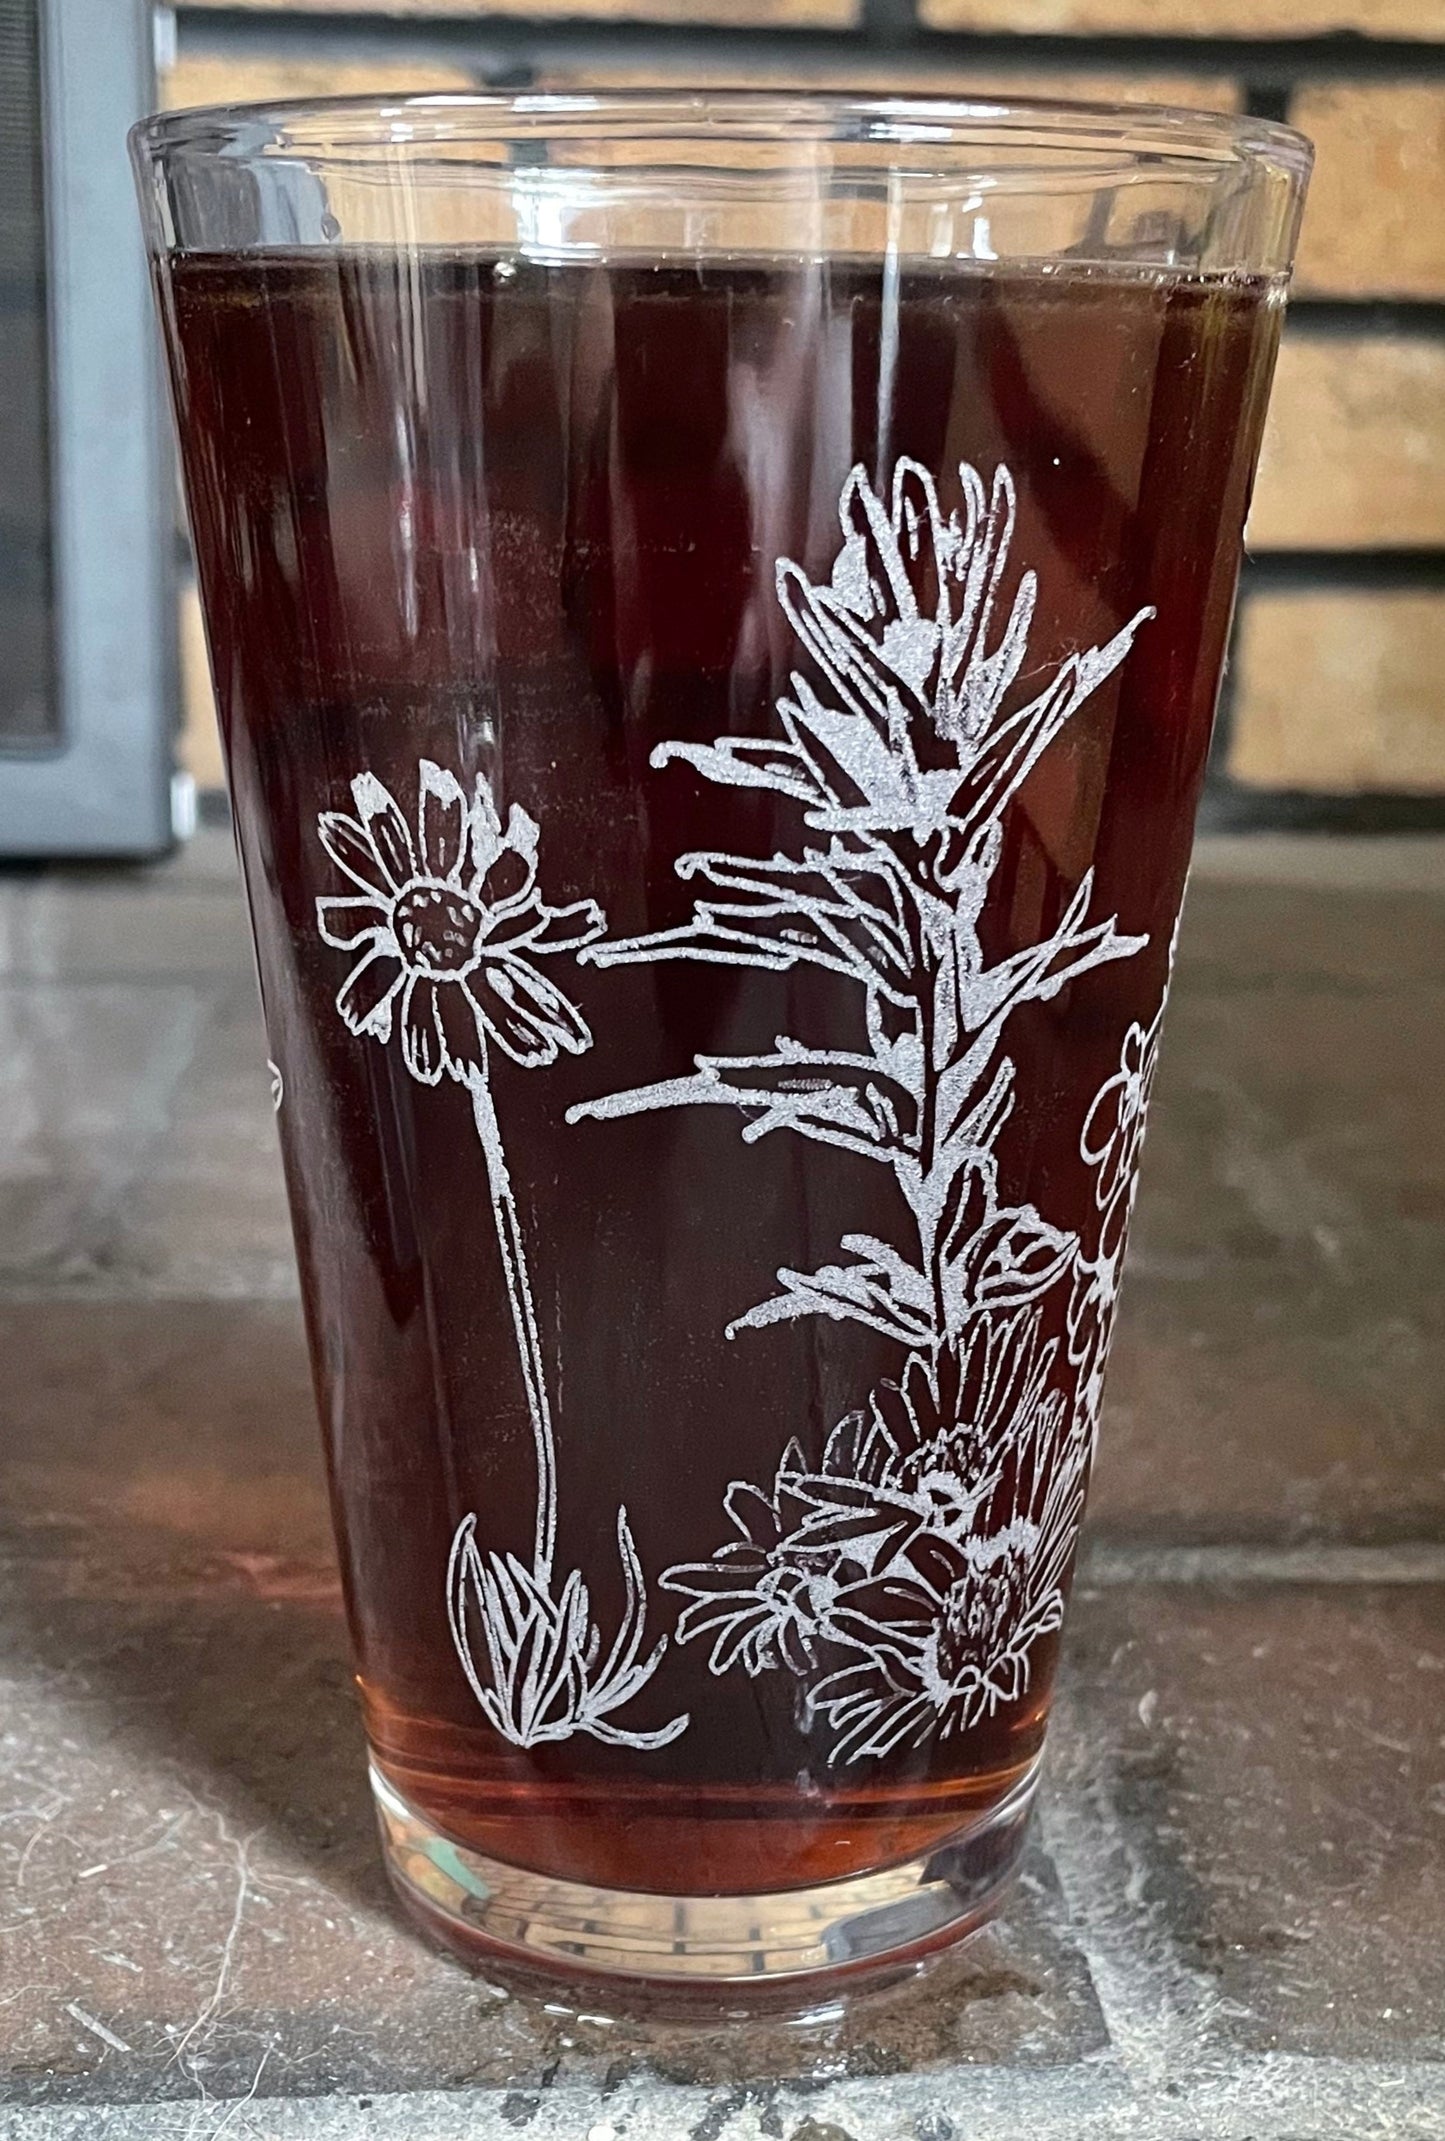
point(507, 878)
point(745, 1637)
point(346, 843)
point(461, 1031)
point(865, 1684)
point(511, 921)
point(386, 829)
point(349, 922)
point(486, 825)
point(442, 822)
point(752, 1513)
point(718, 1579)
point(704, 1615)
point(422, 1048)
point(536, 928)
point(530, 1018)
point(900, 1723)
point(365, 997)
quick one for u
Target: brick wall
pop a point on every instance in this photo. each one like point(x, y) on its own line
point(1335, 705)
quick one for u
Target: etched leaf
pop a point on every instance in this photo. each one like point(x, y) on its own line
point(530, 1654)
point(891, 1297)
point(851, 1102)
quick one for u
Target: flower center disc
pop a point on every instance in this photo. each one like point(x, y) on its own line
point(976, 1619)
point(437, 929)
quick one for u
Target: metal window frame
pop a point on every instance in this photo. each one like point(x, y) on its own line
point(107, 789)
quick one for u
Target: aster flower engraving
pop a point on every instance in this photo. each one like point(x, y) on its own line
point(943, 1633)
point(445, 926)
point(764, 1599)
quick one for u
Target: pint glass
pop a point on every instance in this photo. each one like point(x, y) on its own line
point(716, 605)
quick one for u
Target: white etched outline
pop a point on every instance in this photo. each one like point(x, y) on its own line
point(907, 1581)
point(448, 925)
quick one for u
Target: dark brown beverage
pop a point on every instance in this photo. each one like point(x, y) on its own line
point(714, 764)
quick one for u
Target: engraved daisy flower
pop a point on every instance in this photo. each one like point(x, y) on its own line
point(448, 924)
point(939, 1646)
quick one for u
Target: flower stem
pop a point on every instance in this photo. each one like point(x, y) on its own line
point(925, 975)
point(524, 1320)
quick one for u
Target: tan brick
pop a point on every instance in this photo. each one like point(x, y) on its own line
point(1193, 18)
point(1341, 692)
point(1201, 92)
point(1374, 226)
point(751, 14)
point(210, 79)
point(477, 215)
point(1354, 454)
point(1212, 93)
point(200, 738)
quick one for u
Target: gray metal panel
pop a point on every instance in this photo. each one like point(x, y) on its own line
point(107, 791)
point(29, 699)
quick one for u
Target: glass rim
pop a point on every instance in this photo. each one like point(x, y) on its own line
point(1157, 134)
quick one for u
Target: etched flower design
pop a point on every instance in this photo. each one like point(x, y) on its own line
point(1114, 1127)
point(928, 1453)
point(763, 1600)
point(448, 923)
point(534, 1661)
point(939, 1646)
point(905, 1575)
point(932, 1474)
point(1110, 1144)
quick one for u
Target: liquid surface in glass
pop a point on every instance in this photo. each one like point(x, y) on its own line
point(724, 1265)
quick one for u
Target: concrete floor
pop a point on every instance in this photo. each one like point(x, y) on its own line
point(1231, 1923)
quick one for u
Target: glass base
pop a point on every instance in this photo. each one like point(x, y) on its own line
point(794, 1944)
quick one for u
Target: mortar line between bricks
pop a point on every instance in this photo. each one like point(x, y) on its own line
point(1156, 2012)
point(1269, 2097)
point(1105, 1565)
point(1166, 2021)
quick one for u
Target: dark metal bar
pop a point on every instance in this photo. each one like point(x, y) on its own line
point(1268, 98)
point(1267, 62)
point(1321, 317)
point(888, 22)
point(1228, 807)
point(1383, 571)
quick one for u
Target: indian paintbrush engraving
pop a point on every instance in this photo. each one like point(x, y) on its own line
point(905, 1575)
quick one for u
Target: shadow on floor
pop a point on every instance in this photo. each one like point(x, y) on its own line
point(245, 1699)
